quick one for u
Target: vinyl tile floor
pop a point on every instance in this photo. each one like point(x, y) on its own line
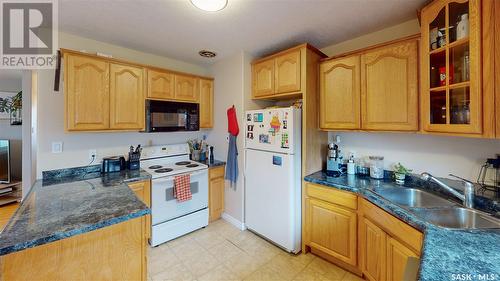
point(220, 251)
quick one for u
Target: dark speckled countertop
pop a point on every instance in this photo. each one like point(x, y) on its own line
point(216, 163)
point(446, 252)
point(58, 208)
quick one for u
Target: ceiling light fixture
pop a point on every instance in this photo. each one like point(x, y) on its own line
point(207, 54)
point(209, 5)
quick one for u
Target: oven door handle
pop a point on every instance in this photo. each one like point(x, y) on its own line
point(197, 173)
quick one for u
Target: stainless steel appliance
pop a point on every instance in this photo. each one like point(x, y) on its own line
point(170, 218)
point(334, 161)
point(168, 116)
point(113, 164)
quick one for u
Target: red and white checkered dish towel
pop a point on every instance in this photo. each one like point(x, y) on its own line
point(182, 185)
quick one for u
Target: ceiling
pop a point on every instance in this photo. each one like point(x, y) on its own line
point(175, 28)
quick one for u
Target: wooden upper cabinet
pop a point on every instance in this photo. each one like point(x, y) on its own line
point(340, 94)
point(86, 90)
point(160, 85)
point(372, 250)
point(389, 87)
point(186, 88)
point(397, 257)
point(497, 65)
point(332, 229)
point(451, 79)
point(127, 107)
point(206, 103)
point(287, 72)
point(263, 78)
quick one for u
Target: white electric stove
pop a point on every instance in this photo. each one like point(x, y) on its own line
point(169, 218)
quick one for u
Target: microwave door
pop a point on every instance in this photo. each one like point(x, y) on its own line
point(169, 121)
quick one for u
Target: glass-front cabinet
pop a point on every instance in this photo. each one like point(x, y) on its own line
point(451, 67)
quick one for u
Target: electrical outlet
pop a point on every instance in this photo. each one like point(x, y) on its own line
point(92, 154)
point(57, 147)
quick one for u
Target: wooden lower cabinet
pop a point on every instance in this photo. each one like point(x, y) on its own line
point(372, 249)
point(397, 256)
point(357, 235)
point(332, 229)
point(216, 193)
point(385, 244)
point(142, 190)
point(116, 252)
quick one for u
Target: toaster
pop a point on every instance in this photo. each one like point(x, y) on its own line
point(113, 164)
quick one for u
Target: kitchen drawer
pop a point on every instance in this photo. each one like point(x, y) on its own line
point(392, 225)
point(216, 172)
point(332, 195)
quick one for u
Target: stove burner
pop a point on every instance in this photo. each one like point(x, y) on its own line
point(163, 170)
point(192, 165)
point(154, 167)
point(182, 163)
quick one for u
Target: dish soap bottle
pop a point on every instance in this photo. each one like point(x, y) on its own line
point(351, 166)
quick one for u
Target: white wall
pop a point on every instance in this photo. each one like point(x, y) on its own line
point(407, 28)
point(439, 155)
point(12, 83)
point(229, 91)
point(50, 106)
point(233, 86)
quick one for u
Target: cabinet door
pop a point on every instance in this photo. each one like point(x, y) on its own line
point(263, 78)
point(332, 230)
point(340, 94)
point(216, 198)
point(389, 88)
point(372, 249)
point(87, 93)
point(287, 70)
point(497, 66)
point(142, 190)
point(397, 256)
point(186, 88)
point(206, 103)
point(160, 85)
point(452, 100)
point(126, 97)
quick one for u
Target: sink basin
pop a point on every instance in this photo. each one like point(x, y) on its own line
point(458, 218)
point(411, 197)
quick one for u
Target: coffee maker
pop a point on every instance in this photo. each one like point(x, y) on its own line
point(334, 161)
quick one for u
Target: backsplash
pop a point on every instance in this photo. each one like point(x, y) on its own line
point(438, 155)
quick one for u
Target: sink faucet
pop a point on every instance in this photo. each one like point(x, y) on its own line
point(468, 196)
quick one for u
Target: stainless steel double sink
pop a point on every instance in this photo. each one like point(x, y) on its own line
point(437, 210)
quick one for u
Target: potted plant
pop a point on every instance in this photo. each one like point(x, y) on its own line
point(400, 173)
point(13, 106)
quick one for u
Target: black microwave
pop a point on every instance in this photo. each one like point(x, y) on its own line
point(169, 116)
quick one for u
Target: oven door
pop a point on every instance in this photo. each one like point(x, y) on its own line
point(165, 206)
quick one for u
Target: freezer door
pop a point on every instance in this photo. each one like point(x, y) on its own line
point(277, 130)
point(272, 198)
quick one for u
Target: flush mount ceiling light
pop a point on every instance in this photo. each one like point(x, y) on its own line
point(207, 54)
point(209, 5)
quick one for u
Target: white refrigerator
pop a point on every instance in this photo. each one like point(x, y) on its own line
point(273, 175)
